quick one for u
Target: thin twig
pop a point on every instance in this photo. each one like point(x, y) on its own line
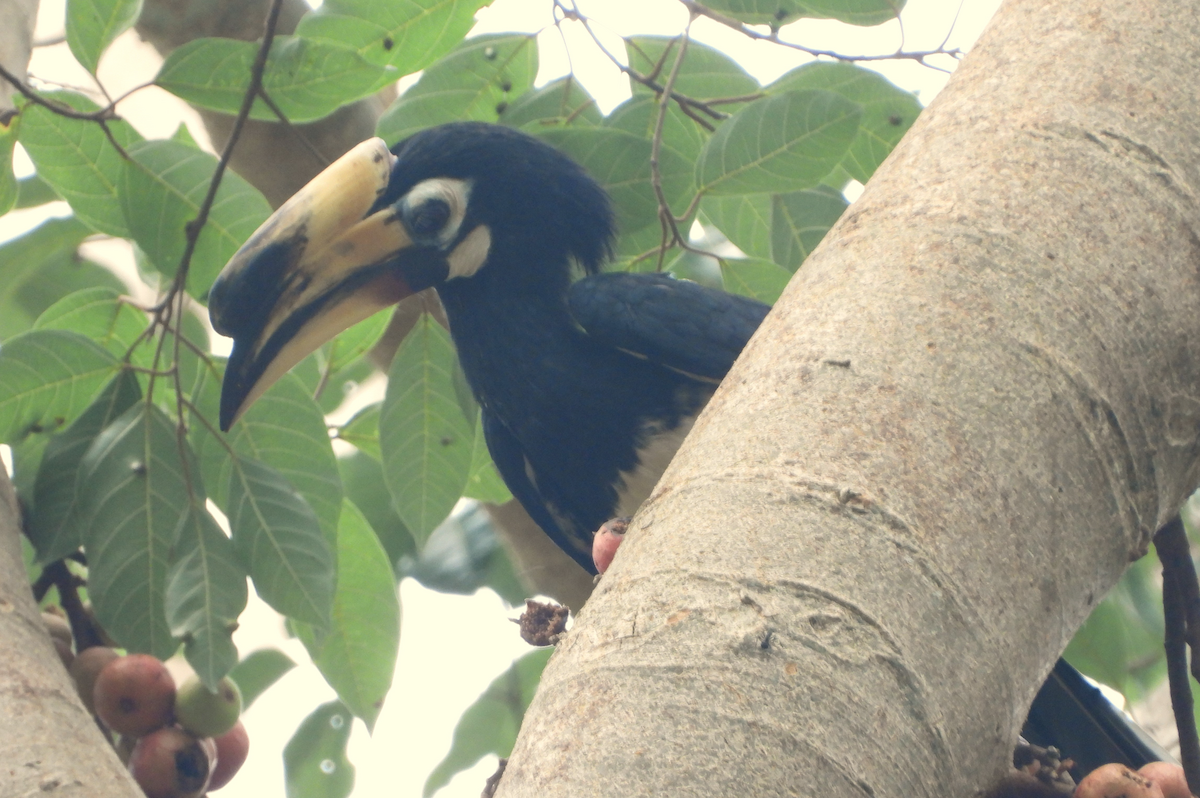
point(252, 91)
point(1177, 678)
point(665, 217)
point(102, 116)
point(82, 628)
point(62, 109)
point(645, 80)
point(208, 425)
point(920, 56)
point(194, 227)
point(1181, 613)
point(1174, 550)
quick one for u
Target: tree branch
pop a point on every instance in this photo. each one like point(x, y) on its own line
point(942, 447)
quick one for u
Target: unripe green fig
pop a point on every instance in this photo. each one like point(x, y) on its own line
point(208, 714)
point(170, 763)
point(134, 695)
point(232, 748)
point(86, 667)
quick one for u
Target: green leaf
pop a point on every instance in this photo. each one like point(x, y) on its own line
point(27, 457)
point(620, 162)
point(635, 244)
point(190, 363)
point(133, 491)
point(476, 81)
point(314, 760)
point(484, 482)
point(490, 725)
point(358, 654)
point(279, 541)
point(206, 592)
point(349, 345)
point(706, 73)
point(756, 278)
point(161, 193)
point(855, 12)
point(462, 555)
point(639, 115)
point(24, 259)
point(77, 159)
point(425, 440)
point(306, 79)
point(33, 191)
point(785, 142)
point(558, 103)
point(405, 34)
point(300, 450)
point(92, 25)
point(760, 12)
point(888, 110)
point(61, 275)
point(363, 479)
point(781, 12)
point(99, 314)
point(9, 187)
point(1120, 644)
point(362, 431)
point(745, 219)
point(184, 136)
point(799, 221)
point(55, 525)
point(47, 378)
point(257, 671)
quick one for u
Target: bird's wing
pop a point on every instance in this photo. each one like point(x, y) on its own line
point(510, 461)
point(676, 323)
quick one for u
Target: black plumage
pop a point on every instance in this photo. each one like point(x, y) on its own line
point(574, 379)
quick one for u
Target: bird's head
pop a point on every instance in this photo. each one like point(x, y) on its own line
point(450, 203)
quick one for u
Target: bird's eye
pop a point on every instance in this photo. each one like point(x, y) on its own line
point(428, 218)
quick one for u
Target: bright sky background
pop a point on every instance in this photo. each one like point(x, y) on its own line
point(438, 675)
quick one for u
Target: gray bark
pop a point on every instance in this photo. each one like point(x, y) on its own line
point(17, 18)
point(969, 411)
point(51, 745)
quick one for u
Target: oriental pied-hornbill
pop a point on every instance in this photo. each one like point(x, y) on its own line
point(587, 386)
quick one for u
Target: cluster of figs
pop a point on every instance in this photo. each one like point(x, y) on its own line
point(178, 742)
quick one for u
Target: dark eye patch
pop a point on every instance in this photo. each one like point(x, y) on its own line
point(428, 218)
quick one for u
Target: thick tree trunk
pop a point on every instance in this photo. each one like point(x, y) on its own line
point(970, 410)
point(17, 18)
point(51, 744)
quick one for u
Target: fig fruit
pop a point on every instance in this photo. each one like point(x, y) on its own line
point(170, 763)
point(86, 667)
point(134, 695)
point(232, 748)
point(205, 713)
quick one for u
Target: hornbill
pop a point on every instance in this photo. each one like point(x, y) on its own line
point(587, 386)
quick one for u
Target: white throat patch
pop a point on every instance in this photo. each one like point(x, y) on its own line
point(471, 253)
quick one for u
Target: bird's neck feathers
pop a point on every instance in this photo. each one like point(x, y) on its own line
point(508, 321)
